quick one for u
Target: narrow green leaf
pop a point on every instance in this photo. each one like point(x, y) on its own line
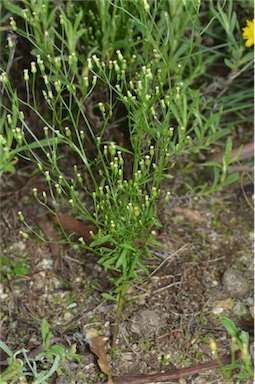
point(6, 348)
point(230, 326)
point(121, 258)
point(107, 296)
point(101, 240)
point(127, 246)
point(233, 178)
point(15, 9)
point(229, 63)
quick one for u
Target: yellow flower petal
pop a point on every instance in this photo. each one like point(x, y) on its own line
point(248, 33)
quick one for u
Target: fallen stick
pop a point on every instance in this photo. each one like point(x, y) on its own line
point(175, 374)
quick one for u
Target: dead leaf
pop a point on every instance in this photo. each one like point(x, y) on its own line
point(225, 304)
point(96, 345)
point(73, 225)
point(50, 235)
point(247, 153)
point(189, 214)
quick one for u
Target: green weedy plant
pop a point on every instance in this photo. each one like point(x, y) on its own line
point(41, 367)
point(239, 369)
point(151, 76)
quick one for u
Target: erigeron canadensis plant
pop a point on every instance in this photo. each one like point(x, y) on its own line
point(124, 210)
point(166, 117)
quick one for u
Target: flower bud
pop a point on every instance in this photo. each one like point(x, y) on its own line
point(33, 67)
point(21, 217)
point(35, 192)
point(26, 76)
point(47, 176)
point(24, 235)
point(213, 346)
point(13, 24)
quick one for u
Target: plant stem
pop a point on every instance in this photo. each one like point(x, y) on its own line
point(119, 311)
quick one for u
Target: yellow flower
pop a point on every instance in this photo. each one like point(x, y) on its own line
point(248, 33)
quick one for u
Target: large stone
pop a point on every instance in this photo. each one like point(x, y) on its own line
point(236, 283)
point(145, 324)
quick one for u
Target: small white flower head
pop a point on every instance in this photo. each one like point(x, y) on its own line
point(147, 160)
point(46, 80)
point(9, 119)
point(95, 58)
point(39, 165)
point(26, 75)
point(71, 202)
point(13, 24)
point(94, 80)
point(112, 149)
point(21, 217)
point(82, 136)
point(47, 175)
point(46, 131)
point(33, 67)
point(167, 197)
point(67, 131)
point(81, 240)
point(86, 81)
point(101, 107)
point(119, 54)
point(35, 192)
point(116, 66)
point(58, 189)
point(136, 211)
point(90, 65)
point(3, 78)
point(44, 196)
point(25, 12)
point(57, 85)
point(10, 42)
point(79, 178)
point(24, 235)
point(57, 62)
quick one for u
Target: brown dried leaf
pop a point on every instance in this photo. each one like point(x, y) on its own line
point(72, 225)
point(225, 304)
point(96, 345)
point(189, 214)
point(247, 153)
point(50, 235)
